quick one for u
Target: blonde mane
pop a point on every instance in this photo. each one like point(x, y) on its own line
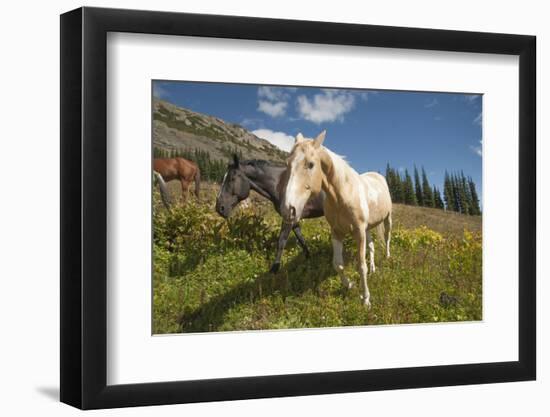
point(340, 164)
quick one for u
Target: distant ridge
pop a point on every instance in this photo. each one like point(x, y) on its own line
point(178, 128)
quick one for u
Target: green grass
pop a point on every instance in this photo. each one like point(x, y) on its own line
point(211, 274)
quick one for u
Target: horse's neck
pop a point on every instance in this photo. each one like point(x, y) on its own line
point(266, 184)
point(336, 173)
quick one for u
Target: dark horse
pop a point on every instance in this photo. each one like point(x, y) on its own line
point(268, 180)
point(179, 169)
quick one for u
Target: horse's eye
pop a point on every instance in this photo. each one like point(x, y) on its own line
point(310, 165)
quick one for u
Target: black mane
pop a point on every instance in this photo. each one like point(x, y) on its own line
point(261, 163)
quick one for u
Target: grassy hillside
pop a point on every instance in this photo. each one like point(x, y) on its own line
point(211, 274)
point(448, 223)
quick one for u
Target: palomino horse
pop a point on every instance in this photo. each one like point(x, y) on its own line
point(179, 169)
point(353, 204)
point(267, 180)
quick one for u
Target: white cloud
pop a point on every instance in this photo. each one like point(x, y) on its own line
point(328, 106)
point(364, 95)
point(274, 100)
point(159, 91)
point(478, 119)
point(431, 103)
point(275, 93)
point(250, 122)
point(477, 149)
point(275, 109)
point(279, 139)
point(470, 98)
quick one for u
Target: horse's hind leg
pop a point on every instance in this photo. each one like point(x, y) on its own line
point(301, 241)
point(371, 252)
point(338, 260)
point(283, 237)
point(387, 233)
point(184, 189)
point(361, 238)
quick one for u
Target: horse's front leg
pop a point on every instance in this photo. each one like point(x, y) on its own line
point(371, 252)
point(301, 241)
point(361, 238)
point(283, 237)
point(338, 260)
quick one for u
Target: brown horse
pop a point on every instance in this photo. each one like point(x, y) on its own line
point(179, 169)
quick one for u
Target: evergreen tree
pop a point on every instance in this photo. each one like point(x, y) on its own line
point(427, 196)
point(409, 196)
point(438, 201)
point(456, 194)
point(418, 187)
point(398, 187)
point(464, 192)
point(459, 192)
point(389, 180)
point(448, 193)
point(476, 210)
point(394, 184)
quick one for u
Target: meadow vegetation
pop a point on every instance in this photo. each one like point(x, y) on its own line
point(211, 274)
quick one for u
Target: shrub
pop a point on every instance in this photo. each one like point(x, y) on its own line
point(187, 234)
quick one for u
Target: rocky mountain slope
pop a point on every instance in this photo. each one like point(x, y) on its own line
point(177, 128)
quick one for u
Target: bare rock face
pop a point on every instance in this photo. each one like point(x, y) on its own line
point(177, 128)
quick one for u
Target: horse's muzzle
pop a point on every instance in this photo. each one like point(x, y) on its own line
point(289, 214)
point(292, 211)
point(221, 209)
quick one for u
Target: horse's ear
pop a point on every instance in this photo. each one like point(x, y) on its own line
point(235, 160)
point(319, 139)
point(299, 138)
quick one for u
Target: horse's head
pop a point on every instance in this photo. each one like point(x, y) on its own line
point(235, 188)
point(304, 176)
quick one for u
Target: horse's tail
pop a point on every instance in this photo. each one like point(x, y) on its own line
point(383, 230)
point(163, 190)
point(197, 181)
point(381, 233)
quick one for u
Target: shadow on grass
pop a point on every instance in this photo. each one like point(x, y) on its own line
point(296, 277)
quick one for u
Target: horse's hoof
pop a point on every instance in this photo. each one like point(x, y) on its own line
point(348, 285)
point(366, 302)
point(275, 268)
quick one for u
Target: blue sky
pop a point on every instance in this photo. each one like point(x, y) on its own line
point(440, 131)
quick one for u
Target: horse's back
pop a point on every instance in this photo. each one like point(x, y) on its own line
point(378, 196)
point(166, 167)
point(187, 168)
point(175, 168)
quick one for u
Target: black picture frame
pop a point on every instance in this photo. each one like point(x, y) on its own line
point(84, 207)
